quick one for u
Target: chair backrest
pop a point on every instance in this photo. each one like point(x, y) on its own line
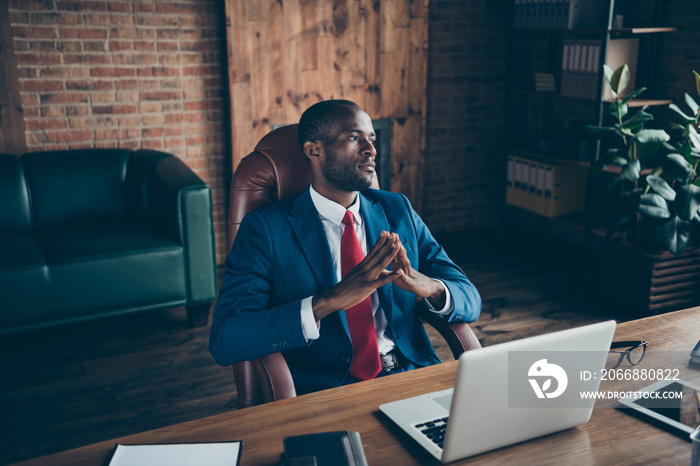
point(276, 169)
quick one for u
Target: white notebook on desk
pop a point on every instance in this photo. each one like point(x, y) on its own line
point(181, 454)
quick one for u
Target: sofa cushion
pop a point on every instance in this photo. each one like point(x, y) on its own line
point(100, 268)
point(24, 277)
point(15, 213)
point(78, 186)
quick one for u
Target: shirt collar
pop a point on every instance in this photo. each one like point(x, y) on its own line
point(333, 211)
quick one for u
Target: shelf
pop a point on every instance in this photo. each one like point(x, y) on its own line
point(614, 33)
point(636, 103)
point(629, 32)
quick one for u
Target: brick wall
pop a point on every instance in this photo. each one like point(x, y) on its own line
point(132, 73)
point(466, 78)
point(135, 74)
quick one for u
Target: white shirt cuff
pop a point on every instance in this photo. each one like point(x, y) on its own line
point(447, 308)
point(309, 326)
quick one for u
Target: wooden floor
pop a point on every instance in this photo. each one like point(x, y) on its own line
point(73, 385)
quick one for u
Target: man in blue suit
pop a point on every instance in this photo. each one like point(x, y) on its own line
point(283, 289)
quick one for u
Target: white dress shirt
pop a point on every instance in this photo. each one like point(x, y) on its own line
point(331, 215)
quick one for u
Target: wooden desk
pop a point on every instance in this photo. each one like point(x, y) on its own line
point(610, 438)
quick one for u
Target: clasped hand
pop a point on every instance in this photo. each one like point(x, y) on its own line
point(371, 273)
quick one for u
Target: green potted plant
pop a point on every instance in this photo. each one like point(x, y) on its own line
point(656, 198)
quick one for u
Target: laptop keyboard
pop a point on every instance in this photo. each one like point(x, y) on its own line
point(434, 430)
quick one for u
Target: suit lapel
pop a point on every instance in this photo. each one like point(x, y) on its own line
point(306, 224)
point(375, 221)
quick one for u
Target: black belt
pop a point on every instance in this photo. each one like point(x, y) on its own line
point(392, 360)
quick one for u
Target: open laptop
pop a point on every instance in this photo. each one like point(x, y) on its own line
point(509, 393)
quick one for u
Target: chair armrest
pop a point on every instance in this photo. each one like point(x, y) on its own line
point(459, 335)
point(263, 380)
point(177, 203)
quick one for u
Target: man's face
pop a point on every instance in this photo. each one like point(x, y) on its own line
point(348, 154)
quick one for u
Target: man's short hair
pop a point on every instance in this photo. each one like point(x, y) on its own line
point(316, 121)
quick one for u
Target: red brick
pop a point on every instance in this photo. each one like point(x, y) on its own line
point(174, 142)
point(168, 46)
point(144, 7)
point(158, 71)
point(51, 111)
point(150, 107)
point(201, 105)
point(200, 70)
point(38, 5)
point(64, 72)
point(174, 118)
point(77, 110)
point(87, 59)
point(81, 5)
point(128, 84)
point(38, 58)
point(119, 45)
point(152, 132)
point(108, 20)
point(83, 33)
point(113, 109)
point(65, 97)
point(120, 7)
point(198, 140)
point(69, 136)
point(56, 18)
point(34, 32)
point(133, 33)
point(44, 124)
point(172, 130)
point(30, 112)
point(112, 72)
point(178, 8)
point(152, 143)
point(94, 85)
point(40, 86)
point(145, 46)
point(161, 95)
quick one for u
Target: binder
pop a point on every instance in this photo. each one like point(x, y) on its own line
point(546, 186)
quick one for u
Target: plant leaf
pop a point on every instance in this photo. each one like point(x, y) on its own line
point(632, 170)
point(637, 120)
point(646, 136)
point(693, 137)
point(597, 131)
point(634, 95)
point(697, 81)
point(687, 201)
point(691, 104)
point(660, 186)
point(685, 117)
point(676, 235)
point(620, 78)
point(676, 167)
point(653, 205)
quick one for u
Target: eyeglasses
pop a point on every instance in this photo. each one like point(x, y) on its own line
point(634, 352)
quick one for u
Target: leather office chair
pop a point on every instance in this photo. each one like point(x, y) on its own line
point(277, 169)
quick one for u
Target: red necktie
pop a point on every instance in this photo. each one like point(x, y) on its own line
point(365, 364)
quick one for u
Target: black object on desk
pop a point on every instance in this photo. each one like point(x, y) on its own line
point(324, 449)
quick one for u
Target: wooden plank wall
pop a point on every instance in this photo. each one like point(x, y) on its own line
point(285, 55)
point(12, 138)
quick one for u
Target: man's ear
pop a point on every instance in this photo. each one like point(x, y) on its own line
point(312, 150)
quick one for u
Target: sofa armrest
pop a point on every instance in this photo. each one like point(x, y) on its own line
point(176, 202)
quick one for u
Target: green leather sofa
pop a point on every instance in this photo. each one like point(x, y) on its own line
point(97, 232)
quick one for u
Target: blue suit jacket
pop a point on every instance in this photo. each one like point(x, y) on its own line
point(281, 256)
